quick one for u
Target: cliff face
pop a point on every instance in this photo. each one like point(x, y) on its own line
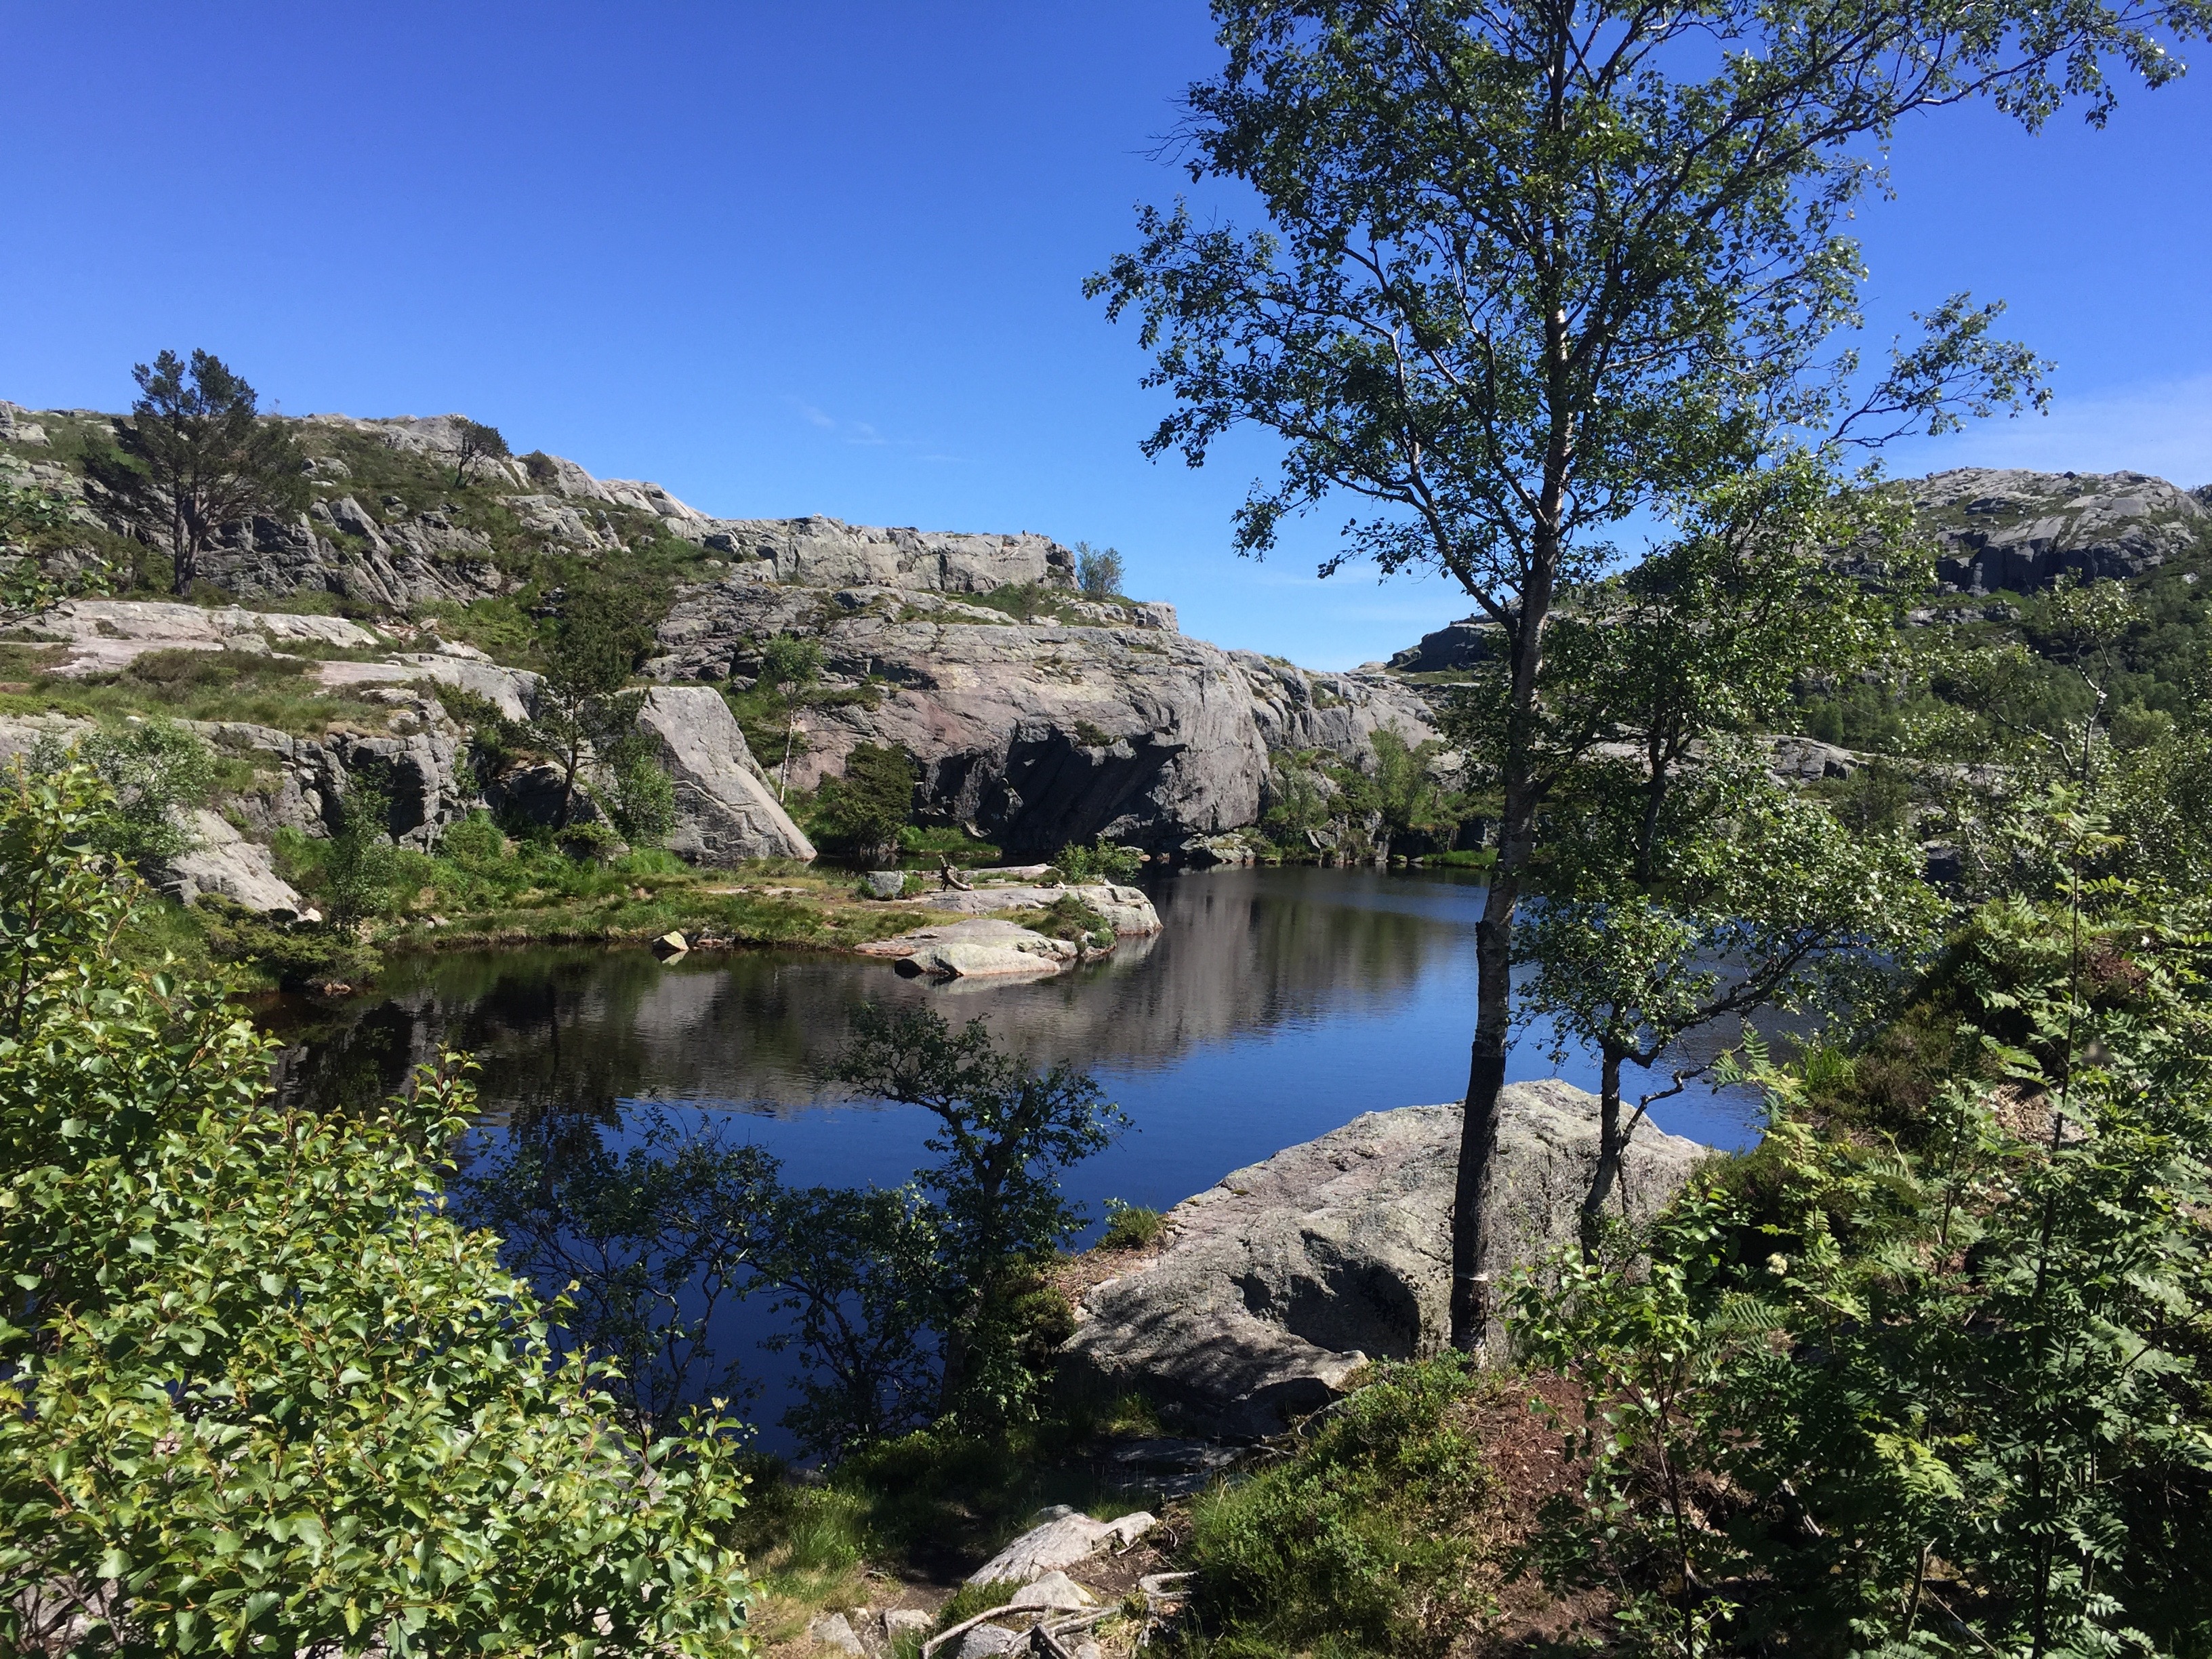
point(1039, 716)
point(1106, 720)
point(2007, 528)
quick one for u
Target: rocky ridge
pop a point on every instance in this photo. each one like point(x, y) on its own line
point(1994, 529)
point(1051, 718)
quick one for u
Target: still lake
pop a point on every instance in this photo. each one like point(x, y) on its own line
point(1275, 1004)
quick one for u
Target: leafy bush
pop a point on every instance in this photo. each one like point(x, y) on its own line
point(1947, 1395)
point(643, 801)
point(1102, 861)
point(1098, 571)
point(358, 867)
point(1359, 1542)
point(156, 770)
point(863, 814)
point(258, 1393)
point(293, 958)
point(789, 663)
point(475, 840)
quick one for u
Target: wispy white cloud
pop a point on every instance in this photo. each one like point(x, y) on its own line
point(2162, 428)
point(862, 435)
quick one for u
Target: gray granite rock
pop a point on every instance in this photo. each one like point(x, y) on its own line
point(1279, 1282)
point(2012, 529)
point(1037, 735)
point(1062, 1537)
point(221, 861)
point(1127, 910)
point(834, 1630)
point(986, 1641)
point(984, 948)
point(726, 811)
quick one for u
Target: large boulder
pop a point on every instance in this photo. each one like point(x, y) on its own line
point(726, 812)
point(1278, 1284)
point(219, 860)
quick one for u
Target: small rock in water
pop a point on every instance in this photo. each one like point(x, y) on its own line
point(986, 1640)
point(668, 946)
point(835, 1630)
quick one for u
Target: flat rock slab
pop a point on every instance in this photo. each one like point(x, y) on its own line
point(1067, 1537)
point(984, 948)
point(1280, 1282)
point(1127, 910)
point(105, 635)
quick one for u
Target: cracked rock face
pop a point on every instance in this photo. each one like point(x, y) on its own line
point(1040, 734)
point(1278, 1283)
point(2012, 529)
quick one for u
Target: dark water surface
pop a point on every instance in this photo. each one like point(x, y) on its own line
point(1275, 1005)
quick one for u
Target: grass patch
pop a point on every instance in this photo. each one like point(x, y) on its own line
point(927, 844)
point(1473, 858)
point(1363, 1540)
point(1130, 1226)
point(503, 627)
point(198, 685)
point(1069, 918)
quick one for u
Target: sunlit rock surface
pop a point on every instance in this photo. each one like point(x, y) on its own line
point(1278, 1283)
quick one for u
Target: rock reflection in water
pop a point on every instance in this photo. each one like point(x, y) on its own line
point(566, 1033)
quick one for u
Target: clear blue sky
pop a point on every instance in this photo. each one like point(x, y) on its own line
point(828, 258)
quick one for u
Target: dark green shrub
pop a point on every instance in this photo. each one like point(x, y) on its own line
point(1102, 861)
point(862, 813)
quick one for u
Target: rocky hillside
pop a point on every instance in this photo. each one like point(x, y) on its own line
point(1039, 716)
point(1994, 529)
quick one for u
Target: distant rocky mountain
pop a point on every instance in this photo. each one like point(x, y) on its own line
point(1996, 529)
point(2005, 528)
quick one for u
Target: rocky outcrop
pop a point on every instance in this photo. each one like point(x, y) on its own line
point(1036, 734)
point(2010, 528)
point(221, 861)
point(1277, 1285)
point(819, 552)
point(1127, 910)
point(1455, 645)
point(726, 812)
point(1064, 1538)
point(105, 635)
point(1297, 709)
point(982, 948)
point(421, 770)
